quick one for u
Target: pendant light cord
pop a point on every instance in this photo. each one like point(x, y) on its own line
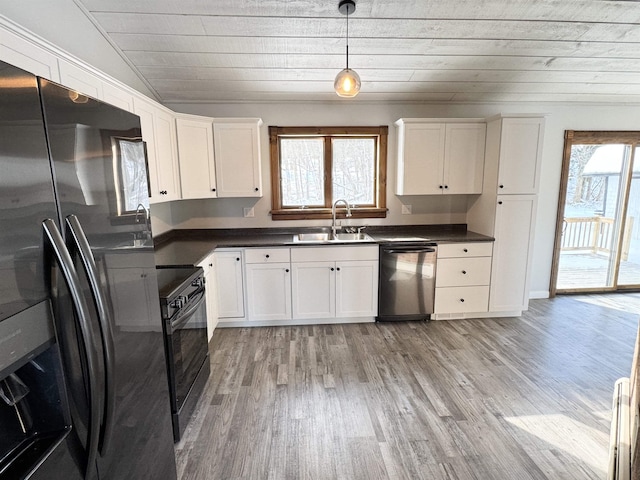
point(347, 37)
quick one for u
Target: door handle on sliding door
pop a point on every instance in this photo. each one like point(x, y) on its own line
point(52, 234)
point(75, 231)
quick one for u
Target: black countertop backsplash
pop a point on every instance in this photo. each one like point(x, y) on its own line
point(190, 247)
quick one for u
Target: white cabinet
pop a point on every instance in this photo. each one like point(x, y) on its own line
point(340, 282)
point(117, 96)
point(80, 80)
point(520, 152)
point(237, 157)
point(436, 157)
point(195, 153)
point(463, 276)
point(133, 286)
point(26, 55)
point(515, 217)
point(268, 274)
point(159, 133)
point(313, 288)
point(211, 289)
point(229, 276)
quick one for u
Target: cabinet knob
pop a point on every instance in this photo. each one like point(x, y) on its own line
point(237, 259)
point(500, 202)
point(267, 255)
point(338, 269)
point(501, 186)
point(464, 272)
point(286, 270)
point(465, 250)
point(256, 189)
point(462, 300)
point(211, 264)
point(446, 186)
point(213, 189)
point(441, 186)
point(332, 269)
point(163, 192)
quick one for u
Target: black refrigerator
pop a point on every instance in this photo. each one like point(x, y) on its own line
point(83, 383)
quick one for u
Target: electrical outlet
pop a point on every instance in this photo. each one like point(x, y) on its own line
point(406, 209)
point(248, 212)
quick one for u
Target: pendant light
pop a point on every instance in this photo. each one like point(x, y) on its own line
point(347, 83)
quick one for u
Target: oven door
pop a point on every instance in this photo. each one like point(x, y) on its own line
point(187, 347)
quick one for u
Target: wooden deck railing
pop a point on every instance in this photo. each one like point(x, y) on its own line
point(594, 234)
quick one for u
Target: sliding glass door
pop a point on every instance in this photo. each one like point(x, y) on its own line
point(597, 238)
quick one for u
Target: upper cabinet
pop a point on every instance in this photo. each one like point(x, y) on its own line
point(18, 51)
point(159, 134)
point(80, 80)
point(520, 151)
point(237, 157)
point(195, 152)
point(438, 157)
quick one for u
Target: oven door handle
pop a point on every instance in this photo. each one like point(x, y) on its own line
point(185, 315)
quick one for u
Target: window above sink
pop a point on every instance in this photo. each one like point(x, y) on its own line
point(313, 166)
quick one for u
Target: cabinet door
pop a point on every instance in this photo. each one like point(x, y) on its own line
point(117, 97)
point(464, 157)
point(313, 289)
point(167, 156)
point(230, 284)
point(269, 291)
point(357, 289)
point(421, 158)
point(520, 152)
point(195, 154)
point(80, 80)
point(146, 112)
point(28, 56)
point(208, 266)
point(512, 251)
point(237, 154)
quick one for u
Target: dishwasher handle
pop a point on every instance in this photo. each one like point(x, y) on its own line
point(409, 250)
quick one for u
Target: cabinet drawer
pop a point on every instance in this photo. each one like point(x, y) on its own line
point(462, 300)
point(454, 272)
point(452, 250)
point(266, 255)
point(334, 254)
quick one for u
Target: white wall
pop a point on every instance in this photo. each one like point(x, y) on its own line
point(228, 213)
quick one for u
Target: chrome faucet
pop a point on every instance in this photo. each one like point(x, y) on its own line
point(147, 219)
point(333, 214)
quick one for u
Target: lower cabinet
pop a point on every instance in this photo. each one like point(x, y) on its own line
point(269, 291)
point(334, 282)
point(463, 276)
point(211, 286)
point(515, 217)
point(230, 282)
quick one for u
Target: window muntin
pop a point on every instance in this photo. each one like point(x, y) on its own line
point(311, 167)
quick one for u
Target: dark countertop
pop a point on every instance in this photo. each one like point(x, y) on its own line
point(191, 247)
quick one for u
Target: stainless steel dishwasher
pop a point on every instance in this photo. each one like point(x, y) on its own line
point(407, 281)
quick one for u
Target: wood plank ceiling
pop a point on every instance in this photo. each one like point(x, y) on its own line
point(404, 50)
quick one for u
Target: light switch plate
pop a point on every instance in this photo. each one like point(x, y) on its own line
point(406, 209)
point(248, 212)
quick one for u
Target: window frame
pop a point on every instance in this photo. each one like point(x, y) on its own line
point(378, 210)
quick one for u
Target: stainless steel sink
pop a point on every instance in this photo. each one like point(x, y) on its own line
point(312, 237)
point(352, 237)
point(322, 237)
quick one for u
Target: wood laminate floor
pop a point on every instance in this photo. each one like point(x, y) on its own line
point(504, 398)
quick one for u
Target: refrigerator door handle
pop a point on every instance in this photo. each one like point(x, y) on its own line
point(74, 228)
point(71, 279)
